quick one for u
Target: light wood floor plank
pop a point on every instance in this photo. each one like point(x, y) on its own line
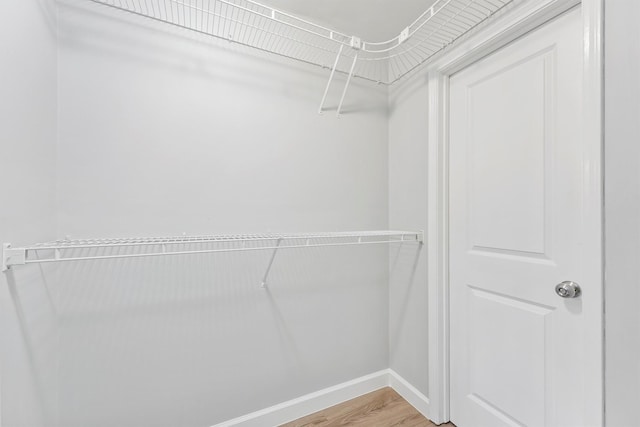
point(381, 408)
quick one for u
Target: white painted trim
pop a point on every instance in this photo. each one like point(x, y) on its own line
point(409, 393)
point(593, 204)
point(508, 28)
point(438, 260)
point(513, 23)
point(310, 403)
point(314, 402)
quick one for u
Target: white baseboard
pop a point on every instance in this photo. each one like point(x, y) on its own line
point(319, 400)
point(409, 393)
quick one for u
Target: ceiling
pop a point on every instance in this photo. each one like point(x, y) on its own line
point(371, 20)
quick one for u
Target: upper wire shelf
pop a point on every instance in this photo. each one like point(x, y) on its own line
point(253, 24)
point(94, 249)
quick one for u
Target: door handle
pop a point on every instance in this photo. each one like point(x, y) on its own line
point(568, 289)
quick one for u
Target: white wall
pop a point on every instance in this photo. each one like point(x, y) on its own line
point(28, 136)
point(408, 291)
point(163, 132)
point(622, 212)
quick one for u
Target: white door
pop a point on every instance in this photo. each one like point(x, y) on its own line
point(516, 231)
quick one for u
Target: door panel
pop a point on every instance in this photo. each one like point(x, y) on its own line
point(516, 231)
point(518, 146)
point(503, 329)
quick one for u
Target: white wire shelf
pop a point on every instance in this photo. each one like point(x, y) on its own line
point(253, 24)
point(95, 249)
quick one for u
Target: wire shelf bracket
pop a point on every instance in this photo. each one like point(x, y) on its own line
point(355, 44)
point(11, 256)
point(68, 250)
point(333, 73)
point(263, 284)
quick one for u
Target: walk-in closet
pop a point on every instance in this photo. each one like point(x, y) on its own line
point(319, 213)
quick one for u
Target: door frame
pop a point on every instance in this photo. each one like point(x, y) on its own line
point(509, 24)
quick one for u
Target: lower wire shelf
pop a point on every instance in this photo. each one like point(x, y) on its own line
point(95, 249)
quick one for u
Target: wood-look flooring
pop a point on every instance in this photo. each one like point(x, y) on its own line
point(381, 408)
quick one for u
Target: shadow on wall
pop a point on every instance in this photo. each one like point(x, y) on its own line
point(193, 340)
point(404, 88)
point(98, 29)
point(49, 12)
point(34, 306)
point(402, 274)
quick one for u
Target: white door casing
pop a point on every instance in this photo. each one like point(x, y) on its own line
point(517, 228)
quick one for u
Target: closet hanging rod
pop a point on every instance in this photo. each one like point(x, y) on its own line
point(95, 249)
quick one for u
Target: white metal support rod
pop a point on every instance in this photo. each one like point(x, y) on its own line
point(333, 72)
point(263, 284)
point(12, 256)
point(346, 86)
